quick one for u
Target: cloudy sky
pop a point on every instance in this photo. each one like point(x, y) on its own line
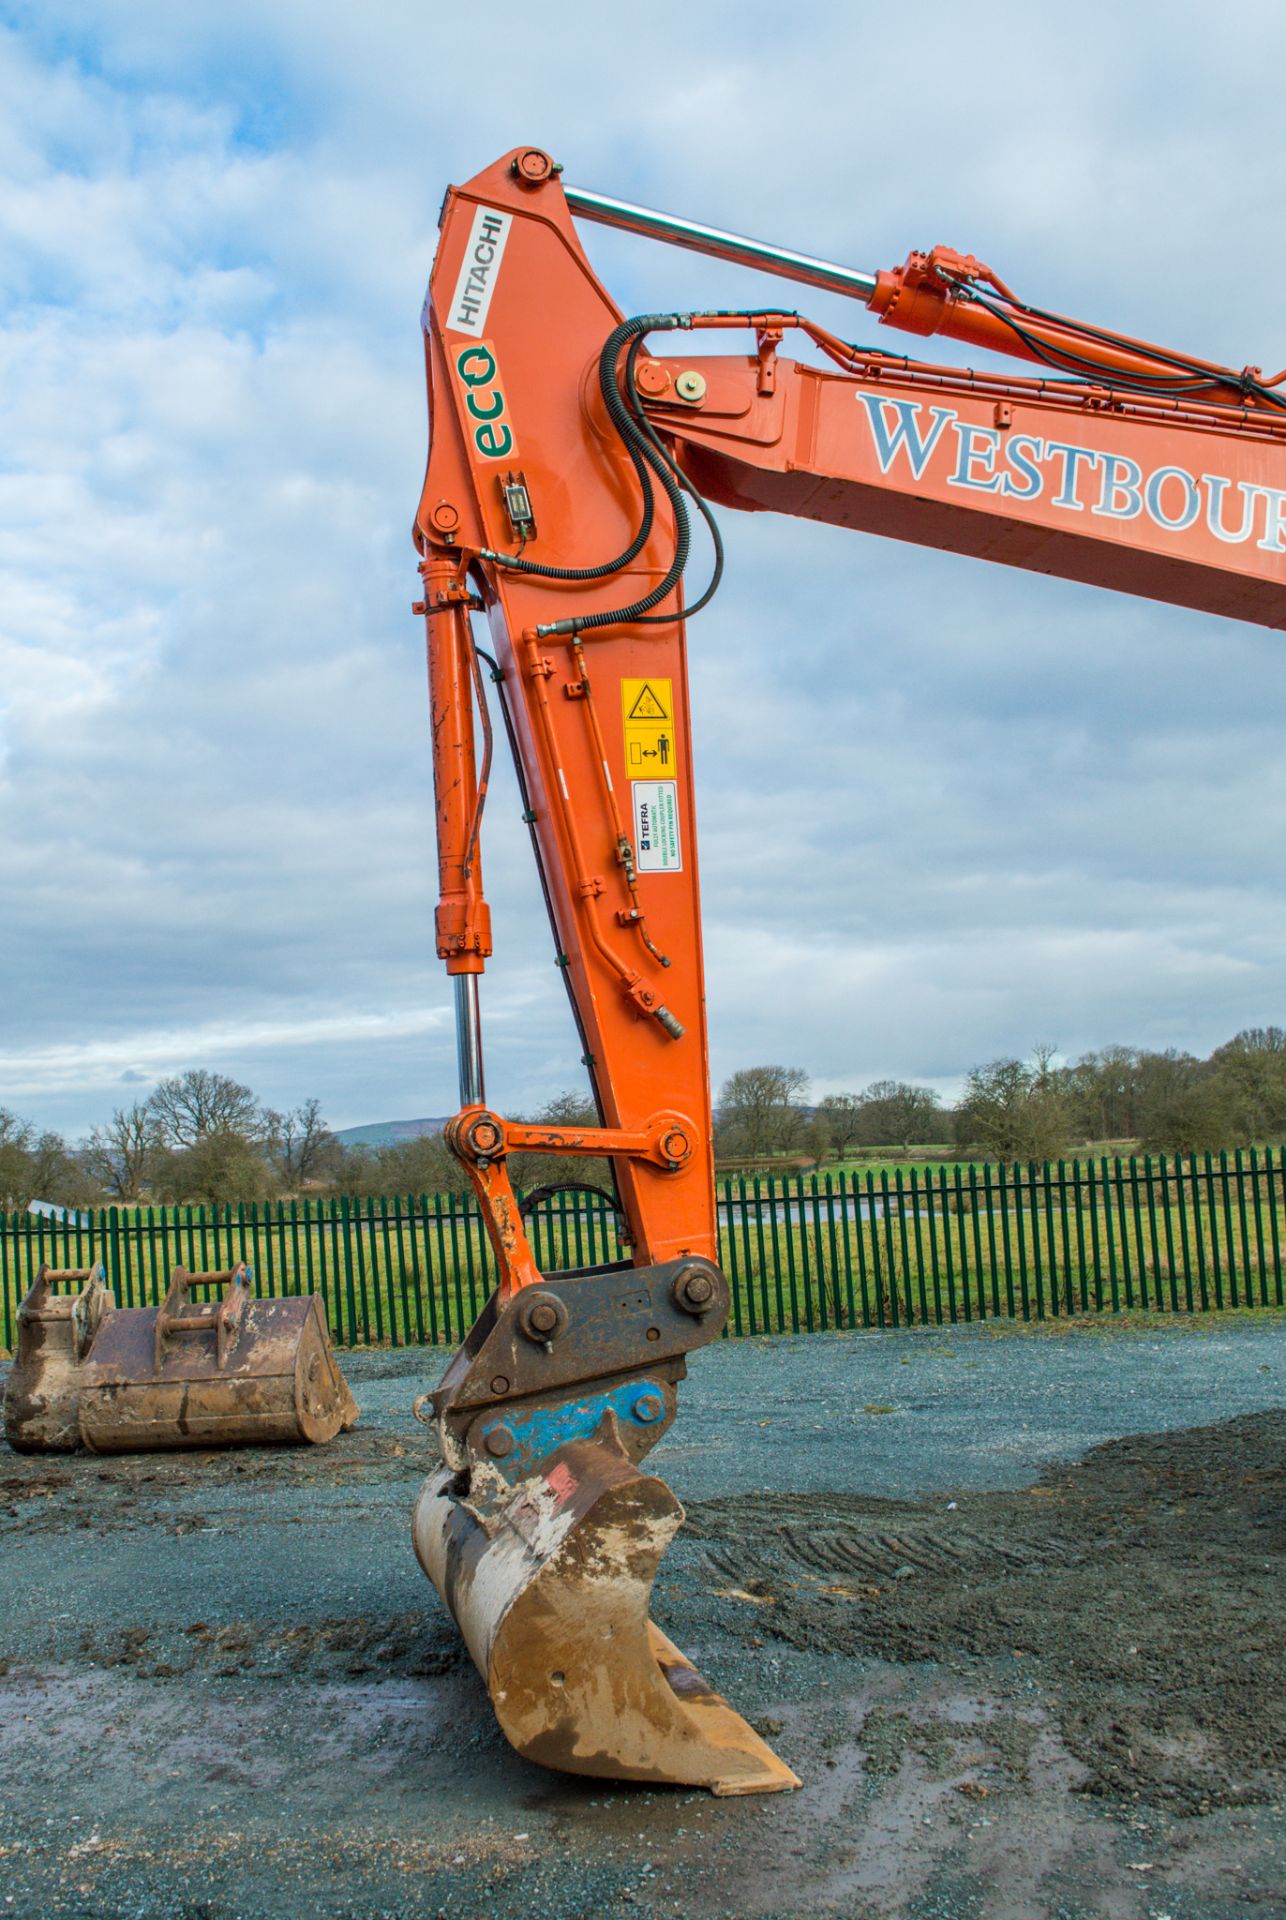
point(964, 811)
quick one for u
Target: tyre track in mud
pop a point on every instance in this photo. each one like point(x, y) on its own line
point(226, 1692)
point(1143, 1587)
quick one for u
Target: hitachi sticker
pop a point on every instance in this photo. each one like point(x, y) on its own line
point(479, 272)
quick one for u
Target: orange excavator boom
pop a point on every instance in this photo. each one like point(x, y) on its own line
point(570, 459)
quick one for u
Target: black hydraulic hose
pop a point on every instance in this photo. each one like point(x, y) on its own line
point(649, 457)
point(716, 574)
point(617, 413)
point(1188, 378)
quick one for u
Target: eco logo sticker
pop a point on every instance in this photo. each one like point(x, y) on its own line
point(476, 370)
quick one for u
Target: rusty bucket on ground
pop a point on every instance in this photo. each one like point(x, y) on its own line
point(543, 1537)
point(58, 1321)
point(231, 1371)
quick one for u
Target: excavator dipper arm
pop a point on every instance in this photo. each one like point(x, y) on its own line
point(569, 457)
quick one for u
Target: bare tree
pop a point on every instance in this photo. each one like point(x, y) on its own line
point(760, 1110)
point(841, 1115)
point(15, 1160)
point(122, 1155)
point(894, 1113)
point(301, 1146)
point(38, 1167)
point(1015, 1109)
point(194, 1105)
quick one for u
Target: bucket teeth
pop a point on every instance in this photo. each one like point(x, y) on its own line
point(550, 1587)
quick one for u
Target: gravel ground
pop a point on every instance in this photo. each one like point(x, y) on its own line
point(1028, 1667)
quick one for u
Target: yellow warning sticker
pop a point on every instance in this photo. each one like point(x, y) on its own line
point(647, 710)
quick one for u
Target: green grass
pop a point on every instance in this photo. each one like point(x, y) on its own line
point(896, 1244)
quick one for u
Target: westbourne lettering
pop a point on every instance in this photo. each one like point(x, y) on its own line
point(909, 436)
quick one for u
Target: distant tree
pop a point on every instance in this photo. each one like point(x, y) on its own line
point(1015, 1109)
point(355, 1175)
point(423, 1165)
point(301, 1148)
point(218, 1168)
point(58, 1174)
point(1103, 1091)
point(16, 1171)
point(193, 1105)
point(841, 1115)
point(815, 1139)
point(1251, 1072)
point(1185, 1105)
point(761, 1111)
point(894, 1113)
point(39, 1166)
point(123, 1155)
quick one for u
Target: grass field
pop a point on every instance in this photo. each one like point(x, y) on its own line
point(896, 1245)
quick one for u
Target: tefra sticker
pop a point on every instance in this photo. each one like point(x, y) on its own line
point(656, 826)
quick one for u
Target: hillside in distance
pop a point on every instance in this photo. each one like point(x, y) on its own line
point(386, 1133)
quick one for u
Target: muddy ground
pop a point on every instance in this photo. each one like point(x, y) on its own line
point(1011, 1604)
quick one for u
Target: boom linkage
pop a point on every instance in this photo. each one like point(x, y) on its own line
point(568, 456)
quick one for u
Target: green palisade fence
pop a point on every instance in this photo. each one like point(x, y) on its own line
point(936, 1246)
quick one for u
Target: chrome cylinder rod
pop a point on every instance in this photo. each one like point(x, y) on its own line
point(468, 1040)
point(677, 232)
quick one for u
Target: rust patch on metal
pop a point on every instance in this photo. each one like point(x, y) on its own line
point(242, 1372)
point(551, 1591)
point(56, 1330)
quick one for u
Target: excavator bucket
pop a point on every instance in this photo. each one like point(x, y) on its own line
point(551, 1594)
point(234, 1371)
point(58, 1321)
point(543, 1538)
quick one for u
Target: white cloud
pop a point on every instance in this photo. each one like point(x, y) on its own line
point(989, 809)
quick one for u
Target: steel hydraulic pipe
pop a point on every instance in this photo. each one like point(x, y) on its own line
point(468, 1040)
point(677, 232)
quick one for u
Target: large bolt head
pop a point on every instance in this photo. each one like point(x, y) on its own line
point(533, 166)
point(652, 377)
point(542, 1318)
point(649, 1408)
point(500, 1442)
point(694, 1291)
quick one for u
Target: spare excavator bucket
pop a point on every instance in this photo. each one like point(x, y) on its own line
point(231, 1372)
point(56, 1331)
point(543, 1538)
